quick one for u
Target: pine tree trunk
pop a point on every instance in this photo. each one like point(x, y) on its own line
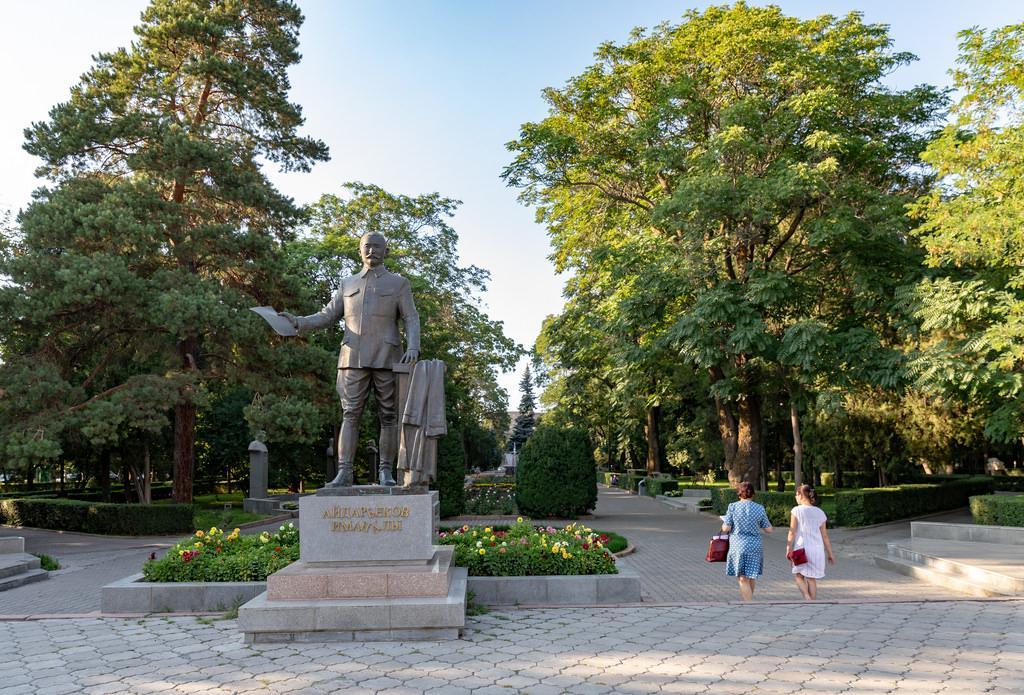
point(184, 431)
point(798, 446)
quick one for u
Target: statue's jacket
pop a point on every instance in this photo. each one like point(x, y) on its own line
point(370, 302)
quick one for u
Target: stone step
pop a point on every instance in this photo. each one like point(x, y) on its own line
point(12, 564)
point(975, 533)
point(27, 577)
point(934, 577)
point(976, 564)
point(686, 504)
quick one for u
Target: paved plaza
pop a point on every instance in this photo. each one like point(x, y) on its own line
point(953, 648)
point(874, 632)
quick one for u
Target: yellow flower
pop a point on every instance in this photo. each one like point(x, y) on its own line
point(181, 552)
point(235, 532)
point(487, 530)
point(213, 529)
point(554, 549)
point(519, 520)
point(199, 545)
point(494, 538)
point(482, 551)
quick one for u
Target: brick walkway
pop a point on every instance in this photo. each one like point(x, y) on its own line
point(671, 545)
point(669, 558)
point(87, 563)
point(955, 648)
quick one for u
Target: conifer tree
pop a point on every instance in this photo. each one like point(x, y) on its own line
point(526, 420)
point(157, 230)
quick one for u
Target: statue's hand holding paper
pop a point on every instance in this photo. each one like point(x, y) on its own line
point(283, 323)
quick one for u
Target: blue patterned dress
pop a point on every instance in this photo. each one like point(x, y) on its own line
point(746, 554)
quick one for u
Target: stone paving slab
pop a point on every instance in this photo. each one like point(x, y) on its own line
point(669, 559)
point(913, 648)
point(671, 545)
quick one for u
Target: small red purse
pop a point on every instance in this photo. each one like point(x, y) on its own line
point(718, 549)
point(798, 556)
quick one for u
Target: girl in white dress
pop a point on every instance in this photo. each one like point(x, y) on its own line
point(807, 531)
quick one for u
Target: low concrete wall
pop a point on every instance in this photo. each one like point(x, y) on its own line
point(978, 533)
point(12, 544)
point(587, 589)
point(132, 595)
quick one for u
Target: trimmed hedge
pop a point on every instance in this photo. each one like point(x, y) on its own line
point(98, 517)
point(451, 472)
point(776, 504)
point(659, 486)
point(556, 474)
point(998, 510)
point(878, 505)
point(850, 479)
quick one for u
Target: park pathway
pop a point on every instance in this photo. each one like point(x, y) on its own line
point(671, 545)
point(669, 559)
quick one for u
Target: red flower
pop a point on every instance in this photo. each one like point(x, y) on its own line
point(586, 546)
point(152, 556)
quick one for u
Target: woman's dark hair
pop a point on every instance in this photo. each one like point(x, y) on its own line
point(808, 493)
point(745, 491)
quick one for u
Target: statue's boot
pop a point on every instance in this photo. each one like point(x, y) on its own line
point(384, 475)
point(344, 476)
point(388, 449)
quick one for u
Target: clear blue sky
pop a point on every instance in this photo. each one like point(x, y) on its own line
point(419, 96)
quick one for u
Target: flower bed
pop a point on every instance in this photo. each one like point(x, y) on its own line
point(487, 499)
point(213, 556)
point(523, 550)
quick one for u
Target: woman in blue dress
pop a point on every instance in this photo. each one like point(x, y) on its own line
point(744, 521)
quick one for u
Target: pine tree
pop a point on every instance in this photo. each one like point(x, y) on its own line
point(135, 268)
point(526, 420)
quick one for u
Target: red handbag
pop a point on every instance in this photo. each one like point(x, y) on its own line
point(718, 549)
point(798, 556)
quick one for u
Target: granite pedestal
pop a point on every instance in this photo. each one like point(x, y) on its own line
point(368, 570)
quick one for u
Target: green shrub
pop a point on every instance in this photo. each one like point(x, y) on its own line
point(213, 556)
point(878, 505)
point(523, 550)
point(776, 504)
point(998, 510)
point(46, 562)
point(659, 486)
point(97, 517)
point(1006, 483)
point(555, 475)
point(451, 472)
point(850, 479)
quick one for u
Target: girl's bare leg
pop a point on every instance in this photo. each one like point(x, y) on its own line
point(812, 588)
point(801, 583)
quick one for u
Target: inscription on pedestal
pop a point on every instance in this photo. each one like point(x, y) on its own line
point(364, 528)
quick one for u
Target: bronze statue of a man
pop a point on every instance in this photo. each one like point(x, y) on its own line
point(370, 302)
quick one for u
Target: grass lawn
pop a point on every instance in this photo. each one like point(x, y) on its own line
point(210, 511)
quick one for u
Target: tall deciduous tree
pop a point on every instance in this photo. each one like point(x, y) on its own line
point(768, 161)
point(972, 225)
point(159, 227)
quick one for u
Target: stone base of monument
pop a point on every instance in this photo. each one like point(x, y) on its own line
point(368, 570)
